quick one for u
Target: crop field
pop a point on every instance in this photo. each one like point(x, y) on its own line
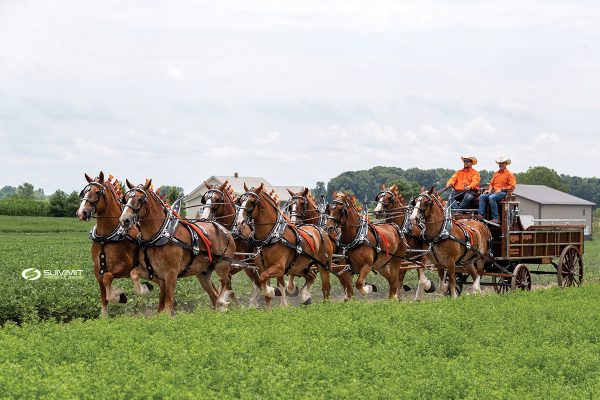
point(543, 343)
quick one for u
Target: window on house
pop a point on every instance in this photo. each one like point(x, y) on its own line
point(583, 212)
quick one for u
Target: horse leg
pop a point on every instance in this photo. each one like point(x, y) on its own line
point(346, 282)
point(360, 282)
point(114, 295)
point(265, 288)
point(442, 277)
point(207, 285)
point(477, 269)
point(291, 289)
point(305, 297)
point(169, 286)
point(391, 275)
point(425, 285)
point(325, 283)
point(452, 279)
point(161, 296)
point(222, 270)
point(401, 290)
point(103, 299)
point(281, 288)
point(135, 275)
point(253, 276)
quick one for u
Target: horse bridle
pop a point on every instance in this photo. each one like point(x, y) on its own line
point(344, 212)
point(304, 202)
point(85, 191)
point(136, 211)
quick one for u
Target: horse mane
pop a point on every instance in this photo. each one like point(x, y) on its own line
point(115, 186)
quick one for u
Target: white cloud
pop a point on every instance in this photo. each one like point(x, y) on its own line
point(269, 138)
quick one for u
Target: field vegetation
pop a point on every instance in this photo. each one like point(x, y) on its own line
point(543, 343)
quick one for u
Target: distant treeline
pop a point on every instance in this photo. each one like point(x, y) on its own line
point(365, 183)
point(28, 201)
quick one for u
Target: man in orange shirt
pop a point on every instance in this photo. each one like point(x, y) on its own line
point(464, 183)
point(502, 181)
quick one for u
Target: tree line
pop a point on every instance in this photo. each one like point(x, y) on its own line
point(365, 184)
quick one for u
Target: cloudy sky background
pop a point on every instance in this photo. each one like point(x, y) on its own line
point(293, 91)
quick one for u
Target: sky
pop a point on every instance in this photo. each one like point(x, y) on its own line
point(293, 91)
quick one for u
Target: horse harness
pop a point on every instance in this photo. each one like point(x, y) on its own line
point(276, 235)
point(116, 236)
point(166, 234)
point(446, 234)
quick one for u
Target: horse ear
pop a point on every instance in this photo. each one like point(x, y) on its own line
point(147, 185)
point(87, 178)
point(260, 188)
point(290, 192)
point(101, 177)
point(305, 192)
point(432, 187)
point(246, 187)
point(382, 187)
point(129, 184)
point(224, 185)
point(207, 185)
point(394, 187)
point(422, 189)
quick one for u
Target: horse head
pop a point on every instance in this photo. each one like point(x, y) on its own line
point(337, 212)
point(389, 201)
point(301, 204)
point(135, 200)
point(215, 200)
point(92, 198)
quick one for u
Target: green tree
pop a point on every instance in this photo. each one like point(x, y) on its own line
point(319, 190)
point(58, 203)
point(26, 191)
point(406, 188)
point(542, 176)
point(72, 204)
point(7, 191)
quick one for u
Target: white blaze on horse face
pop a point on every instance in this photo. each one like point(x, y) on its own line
point(415, 212)
point(206, 212)
point(379, 206)
point(240, 213)
point(294, 208)
point(80, 209)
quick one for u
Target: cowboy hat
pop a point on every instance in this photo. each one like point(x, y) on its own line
point(473, 159)
point(503, 159)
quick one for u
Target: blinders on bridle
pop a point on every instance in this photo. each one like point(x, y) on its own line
point(83, 194)
point(300, 200)
point(209, 194)
point(344, 212)
point(244, 198)
point(130, 194)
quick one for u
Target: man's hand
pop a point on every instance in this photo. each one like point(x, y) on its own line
point(467, 187)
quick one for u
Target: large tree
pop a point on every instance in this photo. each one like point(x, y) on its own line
point(542, 176)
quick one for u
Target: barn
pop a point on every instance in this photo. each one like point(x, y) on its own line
point(550, 206)
point(193, 203)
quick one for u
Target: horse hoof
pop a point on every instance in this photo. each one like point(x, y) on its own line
point(431, 288)
point(122, 298)
point(292, 294)
point(374, 288)
point(307, 301)
point(277, 291)
point(149, 286)
point(406, 288)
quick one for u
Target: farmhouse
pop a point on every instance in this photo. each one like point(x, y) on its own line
point(551, 206)
point(193, 204)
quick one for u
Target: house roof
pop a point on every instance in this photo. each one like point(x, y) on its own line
point(547, 195)
point(237, 184)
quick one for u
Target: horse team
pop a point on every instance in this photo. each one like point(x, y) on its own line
point(139, 236)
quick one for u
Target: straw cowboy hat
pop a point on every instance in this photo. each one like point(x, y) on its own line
point(463, 158)
point(502, 159)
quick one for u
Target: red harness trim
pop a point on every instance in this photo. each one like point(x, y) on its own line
point(201, 234)
point(305, 235)
point(384, 240)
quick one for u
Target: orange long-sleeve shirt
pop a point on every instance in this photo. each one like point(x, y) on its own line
point(503, 180)
point(465, 177)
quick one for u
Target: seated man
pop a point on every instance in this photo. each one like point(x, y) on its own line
point(502, 181)
point(464, 183)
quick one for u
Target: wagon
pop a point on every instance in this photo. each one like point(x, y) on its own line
point(521, 249)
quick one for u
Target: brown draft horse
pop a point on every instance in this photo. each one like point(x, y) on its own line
point(365, 246)
point(283, 248)
point(304, 210)
point(464, 243)
point(174, 248)
point(219, 205)
point(391, 209)
point(114, 249)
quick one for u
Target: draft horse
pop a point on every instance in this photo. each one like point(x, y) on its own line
point(114, 250)
point(175, 248)
point(465, 243)
point(303, 210)
point(366, 247)
point(391, 209)
point(283, 247)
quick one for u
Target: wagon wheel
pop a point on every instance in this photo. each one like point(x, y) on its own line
point(570, 267)
point(521, 278)
point(501, 284)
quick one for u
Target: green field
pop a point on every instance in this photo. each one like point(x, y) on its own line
point(543, 343)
